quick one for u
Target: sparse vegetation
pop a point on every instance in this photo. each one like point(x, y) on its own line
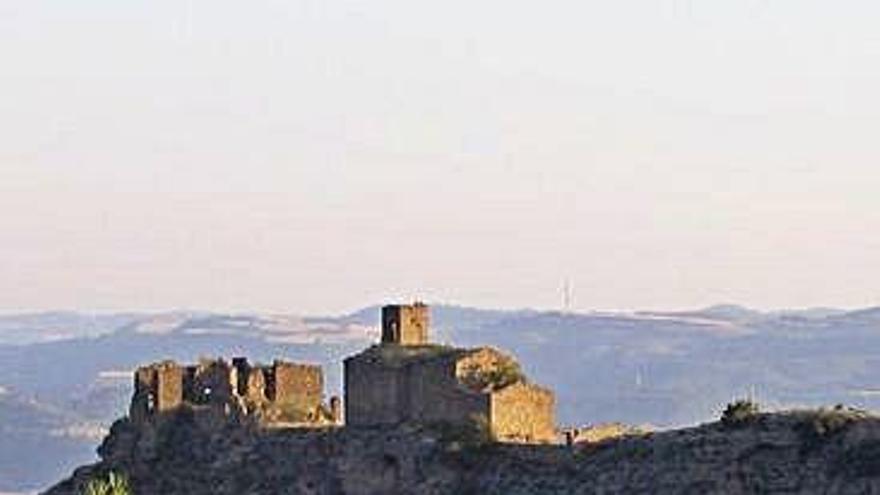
point(739, 412)
point(112, 484)
point(827, 422)
point(823, 423)
point(503, 374)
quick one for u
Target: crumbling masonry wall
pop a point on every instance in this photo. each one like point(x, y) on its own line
point(296, 383)
point(523, 413)
point(433, 394)
point(296, 390)
point(372, 393)
point(169, 381)
point(157, 388)
point(209, 383)
point(282, 392)
point(386, 385)
point(379, 392)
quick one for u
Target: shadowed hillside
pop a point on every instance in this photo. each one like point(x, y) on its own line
point(798, 452)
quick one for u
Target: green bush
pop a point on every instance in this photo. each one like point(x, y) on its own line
point(113, 484)
point(826, 422)
point(829, 422)
point(739, 412)
point(501, 375)
point(506, 374)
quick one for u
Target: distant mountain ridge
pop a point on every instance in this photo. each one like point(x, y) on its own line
point(40, 327)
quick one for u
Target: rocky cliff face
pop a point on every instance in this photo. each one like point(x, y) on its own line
point(799, 452)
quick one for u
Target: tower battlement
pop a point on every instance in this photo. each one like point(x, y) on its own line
point(405, 324)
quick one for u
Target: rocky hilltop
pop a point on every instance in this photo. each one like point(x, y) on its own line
point(824, 451)
point(66, 374)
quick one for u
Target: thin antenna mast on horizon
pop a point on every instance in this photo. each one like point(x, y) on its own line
point(566, 296)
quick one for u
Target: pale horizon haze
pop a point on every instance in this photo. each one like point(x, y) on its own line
point(319, 156)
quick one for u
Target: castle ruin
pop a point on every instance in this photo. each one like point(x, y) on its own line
point(403, 379)
point(407, 379)
point(281, 393)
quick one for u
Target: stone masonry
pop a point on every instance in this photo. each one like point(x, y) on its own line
point(405, 379)
point(405, 324)
point(280, 393)
point(158, 388)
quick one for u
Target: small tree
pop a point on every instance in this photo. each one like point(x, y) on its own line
point(496, 377)
point(739, 412)
point(113, 484)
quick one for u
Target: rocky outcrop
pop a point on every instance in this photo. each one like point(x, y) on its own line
point(798, 452)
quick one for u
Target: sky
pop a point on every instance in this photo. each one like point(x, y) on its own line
point(315, 156)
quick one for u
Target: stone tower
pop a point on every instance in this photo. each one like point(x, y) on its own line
point(405, 324)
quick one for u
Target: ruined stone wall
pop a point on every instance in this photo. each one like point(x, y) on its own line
point(143, 399)
point(169, 383)
point(296, 383)
point(372, 392)
point(241, 370)
point(433, 394)
point(255, 386)
point(283, 392)
point(294, 391)
point(601, 433)
point(157, 388)
point(378, 393)
point(524, 413)
point(210, 383)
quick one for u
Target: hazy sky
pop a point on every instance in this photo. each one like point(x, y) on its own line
point(320, 155)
